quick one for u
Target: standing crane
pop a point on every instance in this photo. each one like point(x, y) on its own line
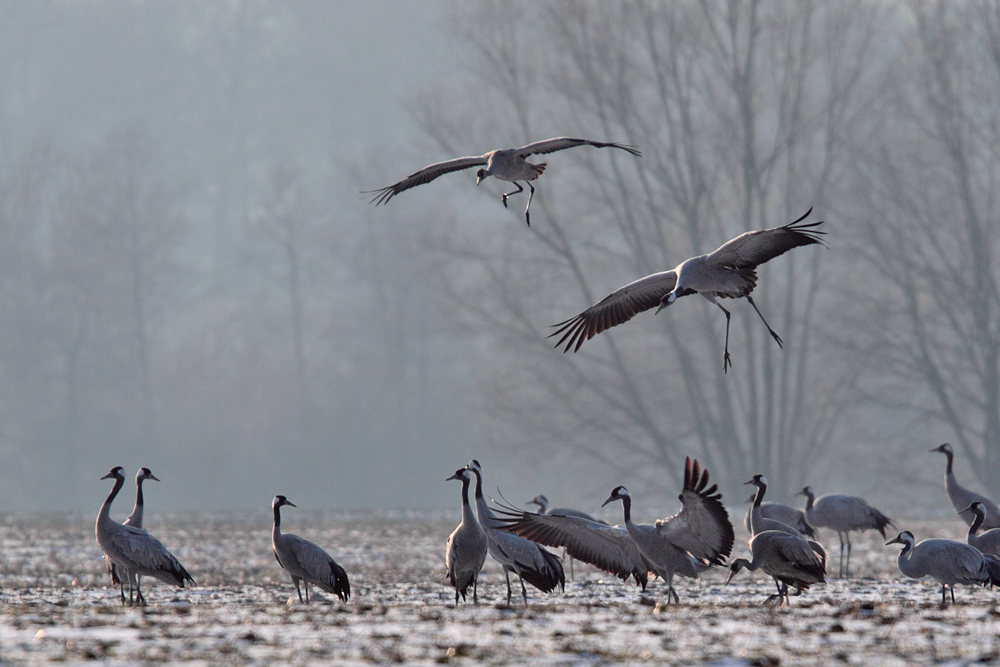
point(962, 497)
point(538, 566)
point(843, 514)
point(134, 519)
point(465, 551)
point(304, 560)
point(133, 550)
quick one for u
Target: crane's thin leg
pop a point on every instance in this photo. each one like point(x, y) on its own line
point(530, 195)
point(506, 573)
point(953, 593)
point(306, 582)
point(475, 584)
point(777, 338)
point(571, 578)
point(847, 569)
point(840, 568)
point(524, 591)
point(726, 361)
point(139, 599)
point(504, 196)
point(295, 580)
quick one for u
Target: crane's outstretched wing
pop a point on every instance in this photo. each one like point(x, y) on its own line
point(751, 249)
point(620, 306)
point(702, 527)
point(425, 175)
point(562, 143)
point(607, 547)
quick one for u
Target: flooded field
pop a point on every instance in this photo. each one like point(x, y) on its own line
point(56, 604)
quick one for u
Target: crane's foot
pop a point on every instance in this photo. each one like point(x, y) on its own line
point(503, 200)
point(727, 362)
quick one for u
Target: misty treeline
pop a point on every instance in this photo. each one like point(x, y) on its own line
point(880, 115)
point(225, 304)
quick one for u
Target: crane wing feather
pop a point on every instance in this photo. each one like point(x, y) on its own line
point(562, 143)
point(702, 527)
point(607, 547)
point(618, 307)
point(425, 175)
point(751, 249)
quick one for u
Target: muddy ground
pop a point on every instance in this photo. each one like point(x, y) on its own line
point(56, 604)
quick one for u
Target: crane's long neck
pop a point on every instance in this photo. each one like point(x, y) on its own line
point(976, 523)
point(627, 509)
point(135, 519)
point(485, 513)
point(276, 530)
point(947, 470)
point(809, 500)
point(105, 513)
point(467, 515)
point(755, 511)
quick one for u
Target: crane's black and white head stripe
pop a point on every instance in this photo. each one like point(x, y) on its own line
point(475, 467)
point(617, 493)
point(146, 473)
point(975, 507)
point(806, 491)
point(905, 538)
point(539, 500)
point(280, 501)
point(944, 449)
point(461, 473)
point(480, 175)
point(757, 480)
point(116, 472)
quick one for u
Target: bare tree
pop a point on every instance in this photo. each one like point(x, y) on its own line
point(110, 262)
point(739, 109)
point(926, 198)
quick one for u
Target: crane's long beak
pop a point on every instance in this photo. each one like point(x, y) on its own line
point(153, 477)
point(967, 509)
point(894, 540)
point(610, 499)
point(108, 476)
point(455, 476)
point(290, 503)
point(748, 482)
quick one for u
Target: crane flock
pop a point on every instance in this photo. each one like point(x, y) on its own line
point(694, 540)
point(697, 538)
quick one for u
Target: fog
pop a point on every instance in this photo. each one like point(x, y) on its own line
point(192, 280)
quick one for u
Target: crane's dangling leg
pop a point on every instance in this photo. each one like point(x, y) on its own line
point(524, 591)
point(503, 197)
point(777, 338)
point(530, 195)
point(726, 361)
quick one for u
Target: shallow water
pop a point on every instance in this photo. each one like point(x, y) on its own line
point(56, 604)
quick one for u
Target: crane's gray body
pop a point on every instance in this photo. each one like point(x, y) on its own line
point(306, 561)
point(538, 566)
point(135, 520)
point(133, 550)
point(947, 561)
point(843, 514)
point(505, 164)
point(466, 547)
point(788, 558)
point(962, 497)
